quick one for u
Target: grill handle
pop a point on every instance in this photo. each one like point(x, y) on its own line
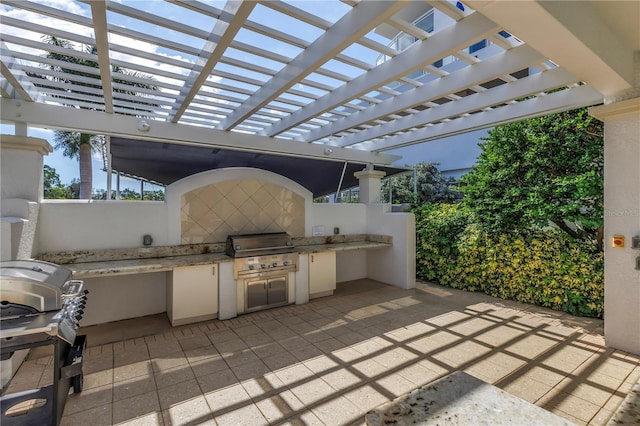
point(262, 248)
point(72, 289)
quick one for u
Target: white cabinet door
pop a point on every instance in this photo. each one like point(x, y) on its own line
point(322, 274)
point(192, 294)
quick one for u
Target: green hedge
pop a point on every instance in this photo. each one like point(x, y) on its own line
point(543, 267)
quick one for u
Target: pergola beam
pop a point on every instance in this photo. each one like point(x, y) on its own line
point(419, 55)
point(97, 122)
point(506, 62)
point(575, 97)
point(510, 61)
point(220, 38)
point(505, 93)
point(100, 28)
point(350, 28)
point(16, 80)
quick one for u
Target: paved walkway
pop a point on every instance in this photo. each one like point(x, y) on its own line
point(332, 360)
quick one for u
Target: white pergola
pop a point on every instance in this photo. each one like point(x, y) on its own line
point(321, 78)
point(292, 93)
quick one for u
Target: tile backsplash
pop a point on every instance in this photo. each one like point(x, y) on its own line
point(241, 206)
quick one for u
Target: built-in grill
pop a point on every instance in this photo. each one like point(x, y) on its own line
point(41, 305)
point(261, 268)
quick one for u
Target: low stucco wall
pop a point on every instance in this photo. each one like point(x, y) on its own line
point(350, 218)
point(68, 225)
point(396, 266)
point(122, 297)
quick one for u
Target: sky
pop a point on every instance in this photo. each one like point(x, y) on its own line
point(68, 168)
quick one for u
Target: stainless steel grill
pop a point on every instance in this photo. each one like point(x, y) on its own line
point(36, 297)
point(258, 244)
point(261, 268)
point(41, 305)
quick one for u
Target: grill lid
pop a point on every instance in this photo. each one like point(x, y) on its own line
point(258, 244)
point(34, 283)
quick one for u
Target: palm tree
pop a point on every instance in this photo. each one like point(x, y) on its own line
point(81, 145)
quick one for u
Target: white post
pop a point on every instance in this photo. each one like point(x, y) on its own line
point(369, 182)
point(621, 218)
point(118, 186)
point(21, 129)
point(109, 168)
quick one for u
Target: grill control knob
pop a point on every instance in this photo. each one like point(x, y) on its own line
point(274, 264)
point(263, 266)
point(285, 263)
point(251, 267)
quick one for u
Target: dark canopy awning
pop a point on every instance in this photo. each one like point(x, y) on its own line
point(166, 163)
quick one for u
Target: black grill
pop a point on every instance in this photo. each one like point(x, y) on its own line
point(40, 305)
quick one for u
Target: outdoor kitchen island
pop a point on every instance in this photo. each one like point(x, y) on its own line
point(196, 281)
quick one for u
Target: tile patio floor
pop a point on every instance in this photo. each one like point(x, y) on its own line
point(332, 360)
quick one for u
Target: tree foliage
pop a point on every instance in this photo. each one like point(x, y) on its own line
point(130, 194)
point(53, 187)
point(547, 169)
point(76, 144)
point(546, 267)
point(432, 187)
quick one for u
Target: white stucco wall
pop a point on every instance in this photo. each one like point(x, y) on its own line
point(6, 234)
point(125, 296)
point(350, 218)
point(395, 265)
point(85, 225)
point(621, 217)
point(351, 265)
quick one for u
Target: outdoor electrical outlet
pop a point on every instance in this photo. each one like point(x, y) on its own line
point(635, 242)
point(147, 240)
point(336, 231)
point(638, 263)
point(617, 241)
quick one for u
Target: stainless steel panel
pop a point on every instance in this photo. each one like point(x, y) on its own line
point(251, 267)
point(258, 244)
point(277, 290)
point(34, 283)
point(35, 270)
point(256, 293)
point(266, 292)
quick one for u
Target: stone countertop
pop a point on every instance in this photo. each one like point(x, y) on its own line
point(628, 413)
point(138, 266)
point(352, 245)
point(461, 399)
point(89, 264)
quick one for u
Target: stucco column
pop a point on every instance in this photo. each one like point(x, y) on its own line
point(369, 182)
point(621, 217)
point(21, 162)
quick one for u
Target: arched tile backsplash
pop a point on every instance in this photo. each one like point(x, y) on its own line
point(239, 206)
